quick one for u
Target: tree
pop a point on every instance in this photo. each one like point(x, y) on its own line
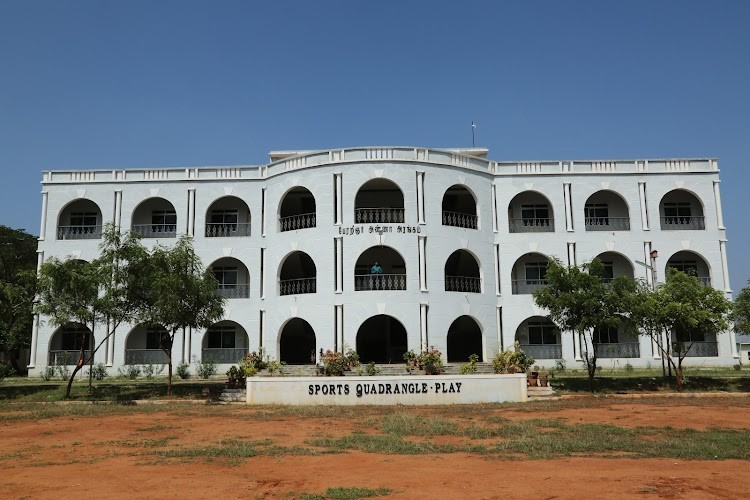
point(578, 301)
point(17, 288)
point(98, 292)
point(741, 311)
point(179, 294)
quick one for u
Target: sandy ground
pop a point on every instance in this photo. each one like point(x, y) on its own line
point(108, 455)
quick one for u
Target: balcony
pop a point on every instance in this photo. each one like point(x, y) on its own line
point(456, 219)
point(66, 357)
point(155, 230)
point(463, 284)
point(607, 224)
point(79, 232)
point(145, 357)
point(233, 291)
point(525, 287)
point(685, 223)
point(298, 221)
point(221, 230)
point(223, 355)
point(379, 215)
point(618, 350)
point(543, 351)
point(532, 225)
point(380, 282)
point(297, 286)
point(696, 349)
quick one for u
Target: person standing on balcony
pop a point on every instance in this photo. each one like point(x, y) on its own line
point(376, 269)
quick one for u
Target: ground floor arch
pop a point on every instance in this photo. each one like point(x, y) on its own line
point(225, 342)
point(65, 344)
point(297, 343)
point(381, 339)
point(464, 339)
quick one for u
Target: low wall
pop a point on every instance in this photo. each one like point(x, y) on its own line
point(387, 390)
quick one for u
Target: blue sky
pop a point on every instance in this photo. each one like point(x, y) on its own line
point(128, 84)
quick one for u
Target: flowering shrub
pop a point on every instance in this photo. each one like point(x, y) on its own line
point(431, 361)
point(334, 363)
point(515, 361)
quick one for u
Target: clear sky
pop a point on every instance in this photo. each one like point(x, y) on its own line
point(129, 84)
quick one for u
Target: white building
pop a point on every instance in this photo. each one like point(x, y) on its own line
point(462, 242)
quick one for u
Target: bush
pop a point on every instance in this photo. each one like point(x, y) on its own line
point(131, 372)
point(99, 371)
point(628, 368)
point(471, 366)
point(371, 368)
point(183, 371)
point(149, 371)
point(515, 361)
point(62, 371)
point(560, 365)
point(5, 371)
point(204, 368)
point(274, 367)
point(431, 361)
point(48, 373)
point(736, 367)
point(334, 363)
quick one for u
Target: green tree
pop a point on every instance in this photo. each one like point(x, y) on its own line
point(578, 300)
point(741, 311)
point(178, 293)
point(17, 289)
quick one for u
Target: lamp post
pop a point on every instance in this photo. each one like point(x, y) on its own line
point(651, 267)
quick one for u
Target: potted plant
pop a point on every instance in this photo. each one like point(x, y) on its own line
point(431, 361)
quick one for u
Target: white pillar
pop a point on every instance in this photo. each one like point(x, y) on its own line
point(494, 208)
point(420, 198)
point(117, 216)
point(111, 347)
point(339, 263)
point(499, 323)
point(188, 344)
point(262, 273)
point(423, 339)
point(724, 268)
point(497, 268)
point(577, 346)
point(644, 206)
point(340, 326)
point(647, 258)
point(568, 207)
point(655, 348)
point(43, 224)
point(717, 200)
point(39, 260)
point(339, 200)
point(263, 212)
point(34, 340)
point(262, 329)
point(191, 213)
point(571, 254)
point(422, 264)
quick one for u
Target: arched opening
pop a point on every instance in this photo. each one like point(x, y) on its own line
point(297, 274)
point(693, 343)
point(155, 218)
point(464, 339)
point(144, 345)
point(680, 209)
point(379, 201)
point(462, 273)
point(297, 210)
point(529, 273)
point(611, 342)
point(615, 265)
point(539, 338)
point(691, 263)
point(65, 344)
point(530, 212)
point(381, 339)
point(224, 342)
point(606, 211)
point(459, 208)
point(80, 220)
point(380, 268)
point(297, 343)
point(227, 217)
point(233, 278)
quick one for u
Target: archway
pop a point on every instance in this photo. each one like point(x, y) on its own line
point(606, 210)
point(464, 339)
point(379, 201)
point(297, 274)
point(391, 274)
point(227, 217)
point(530, 212)
point(80, 220)
point(155, 218)
point(224, 342)
point(381, 339)
point(65, 344)
point(297, 210)
point(297, 343)
point(462, 273)
point(459, 207)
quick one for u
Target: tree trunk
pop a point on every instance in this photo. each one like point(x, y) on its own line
point(79, 365)
point(169, 377)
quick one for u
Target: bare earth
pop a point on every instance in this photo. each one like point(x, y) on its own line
point(109, 455)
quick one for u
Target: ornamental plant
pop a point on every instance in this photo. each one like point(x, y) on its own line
point(431, 361)
point(512, 361)
point(334, 363)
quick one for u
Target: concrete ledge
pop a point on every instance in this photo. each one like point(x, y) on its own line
point(388, 390)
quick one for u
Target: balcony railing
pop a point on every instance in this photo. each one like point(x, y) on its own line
point(66, 357)
point(214, 230)
point(224, 355)
point(543, 351)
point(456, 219)
point(380, 282)
point(297, 286)
point(524, 287)
point(607, 224)
point(532, 225)
point(155, 230)
point(697, 349)
point(145, 357)
point(378, 215)
point(233, 291)
point(79, 232)
point(683, 223)
point(463, 284)
point(618, 350)
point(299, 221)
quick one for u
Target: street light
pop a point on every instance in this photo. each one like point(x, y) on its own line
point(654, 254)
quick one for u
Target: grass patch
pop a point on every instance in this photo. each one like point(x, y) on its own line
point(695, 381)
point(343, 493)
point(407, 424)
point(233, 451)
point(108, 390)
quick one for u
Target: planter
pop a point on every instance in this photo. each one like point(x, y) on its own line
point(532, 379)
point(543, 382)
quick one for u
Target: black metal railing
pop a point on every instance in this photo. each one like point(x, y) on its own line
point(696, 349)
point(380, 282)
point(463, 284)
point(607, 224)
point(457, 219)
point(299, 221)
point(543, 351)
point(215, 230)
point(66, 357)
point(524, 287)
point(145, 357)
point(233, 291)
point(618, 350)
point(378, 215)
point(79, 232)
point(532, 225)
point(692, 222)
point(297, 286)
point(155, 230)
point(226, 355)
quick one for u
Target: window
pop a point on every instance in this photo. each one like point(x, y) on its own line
point(226, 276)
point(73, 337)
point(686, 266)
point(608, 271)
point(163, 221)
point(535, 215)
point(677, 213)
point(685, 335)
point(597, 214)
point(221, 337)
point(541, 332)
point(83, 219)
point(536, 273)
point(605, 335)
point(227, 218)
point(156, 338)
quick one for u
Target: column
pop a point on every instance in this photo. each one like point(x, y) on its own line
point(571, 254)
point(262, 274)
point(497, 269)
point(117, 216)
point(191, 213)
point(717, 200)
point(339, 201)
point(34, 340)
point(577, 346)
point(494, 208)
point(339, 245)
point(422, 264)
point(724, 268)
point(423, 339)
point(568, 207)
point(188, 344)
point(647, 258)
point(339, 312)
point(420, 198)
point(499, 322)
point(655, 348)
point(111, 346)
point(262, 328)
point(43, 225)
point(644, 206)
point(263, 212)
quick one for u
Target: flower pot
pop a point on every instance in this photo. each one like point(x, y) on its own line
point(543, 380)
point(532, 379)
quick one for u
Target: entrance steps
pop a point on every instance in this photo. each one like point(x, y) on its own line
point(537, 393)
point(233, 396)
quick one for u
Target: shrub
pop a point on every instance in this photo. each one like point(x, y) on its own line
point(431, 361)
point(512, 361)
point(274, 367)
point(560, 365)
point(48, 373)
point(471, 366)
point(183, 371)
point(371, 368)
point(736, 367)
point(204, 368)
point(236, 377)
point(334, 363)
point(99, 371)
point(131, 372)
point(149, 371)
point(62, 371)
point(259, 359)
point(5, 371)
point(628, 367)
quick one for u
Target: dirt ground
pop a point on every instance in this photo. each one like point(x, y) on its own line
point(106, 455)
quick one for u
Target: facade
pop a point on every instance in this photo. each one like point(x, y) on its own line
point(393, 248)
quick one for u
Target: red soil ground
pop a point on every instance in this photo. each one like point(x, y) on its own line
point(107, 455)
